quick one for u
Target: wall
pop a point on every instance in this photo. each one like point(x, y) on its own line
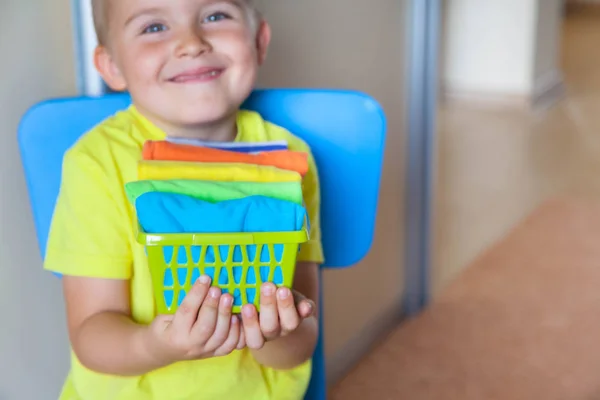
point(502, 48)
point(352, 44)
point(33, 337)
point(487, 45)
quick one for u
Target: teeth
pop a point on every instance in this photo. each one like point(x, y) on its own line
point(210, 74)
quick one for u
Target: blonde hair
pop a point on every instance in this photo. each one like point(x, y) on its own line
point(100, 14)
point(100, 9)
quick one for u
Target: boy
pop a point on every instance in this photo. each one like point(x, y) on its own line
point(188, 65)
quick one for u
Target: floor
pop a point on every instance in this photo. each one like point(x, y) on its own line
point(521, 323)
point(497, 166)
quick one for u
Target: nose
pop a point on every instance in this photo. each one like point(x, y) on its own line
point(192, 44)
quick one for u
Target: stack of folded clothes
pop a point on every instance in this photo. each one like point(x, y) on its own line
point(188, 187)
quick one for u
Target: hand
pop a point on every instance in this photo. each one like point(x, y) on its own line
point(202, 327)
point(281, 313)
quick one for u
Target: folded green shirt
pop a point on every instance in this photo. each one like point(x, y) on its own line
point(217, 191)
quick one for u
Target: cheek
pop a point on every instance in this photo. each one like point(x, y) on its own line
point(246, 61)
point(236, 45)
point(145, 61)
point(249, 67)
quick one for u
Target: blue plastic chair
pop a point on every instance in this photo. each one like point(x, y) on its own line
point(345, 130)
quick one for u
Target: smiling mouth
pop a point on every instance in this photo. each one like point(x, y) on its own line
point(200, 75)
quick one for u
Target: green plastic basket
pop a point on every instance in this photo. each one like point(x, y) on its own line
point(239, 263)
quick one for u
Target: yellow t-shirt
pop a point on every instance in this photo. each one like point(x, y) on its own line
point(92, 236)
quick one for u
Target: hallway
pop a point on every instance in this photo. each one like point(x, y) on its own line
point(518, 226)
point(496, 166)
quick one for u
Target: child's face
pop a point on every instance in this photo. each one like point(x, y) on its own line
point(185, 62)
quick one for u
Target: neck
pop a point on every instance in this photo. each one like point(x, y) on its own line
point(223, 130)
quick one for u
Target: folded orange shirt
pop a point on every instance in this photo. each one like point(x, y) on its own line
point(166, 151)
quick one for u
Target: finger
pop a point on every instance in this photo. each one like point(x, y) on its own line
point(305, 306)
point(187, 313)
point(242, 342)
point(306, 309)
point(233, 338)
point(268, 317)
point(221, 332)
point(205, 325)
point(252, 332)
point(288, 315)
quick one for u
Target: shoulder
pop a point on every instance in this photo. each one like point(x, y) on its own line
point(118, 130)
point(257, 129)
point(109, 147)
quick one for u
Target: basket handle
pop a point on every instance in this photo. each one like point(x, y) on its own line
point(226, 239)
point(214, 239)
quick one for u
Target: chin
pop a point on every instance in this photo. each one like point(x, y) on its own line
point(203, 116)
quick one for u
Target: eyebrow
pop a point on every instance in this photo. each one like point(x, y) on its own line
point(155, 10)
point(236, 3)
point(141, 13)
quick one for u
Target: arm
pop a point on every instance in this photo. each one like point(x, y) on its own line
point(106, 339)
point(298, 347)
point(103, 335)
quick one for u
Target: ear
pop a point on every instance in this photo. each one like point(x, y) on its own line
point(263, 39)
point(108, 69)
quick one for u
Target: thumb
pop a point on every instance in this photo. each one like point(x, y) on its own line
point(305, 306)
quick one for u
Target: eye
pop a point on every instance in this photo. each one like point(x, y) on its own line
point(218, 16)
point(154, 28)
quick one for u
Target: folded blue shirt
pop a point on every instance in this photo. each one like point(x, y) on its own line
point(160, 212)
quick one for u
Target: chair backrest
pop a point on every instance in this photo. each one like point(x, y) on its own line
point(345, 130)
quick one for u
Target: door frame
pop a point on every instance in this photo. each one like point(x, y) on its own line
point(89, 82)
point(422, 77)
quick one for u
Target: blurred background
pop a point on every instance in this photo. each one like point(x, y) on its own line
point(493, 108)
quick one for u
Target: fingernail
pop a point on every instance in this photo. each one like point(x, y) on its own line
point(227, 301)
point(284, 293)
point(204, 279)
point(214, 293)
point(234, 320)
point(248, 312)
point(267, 290)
